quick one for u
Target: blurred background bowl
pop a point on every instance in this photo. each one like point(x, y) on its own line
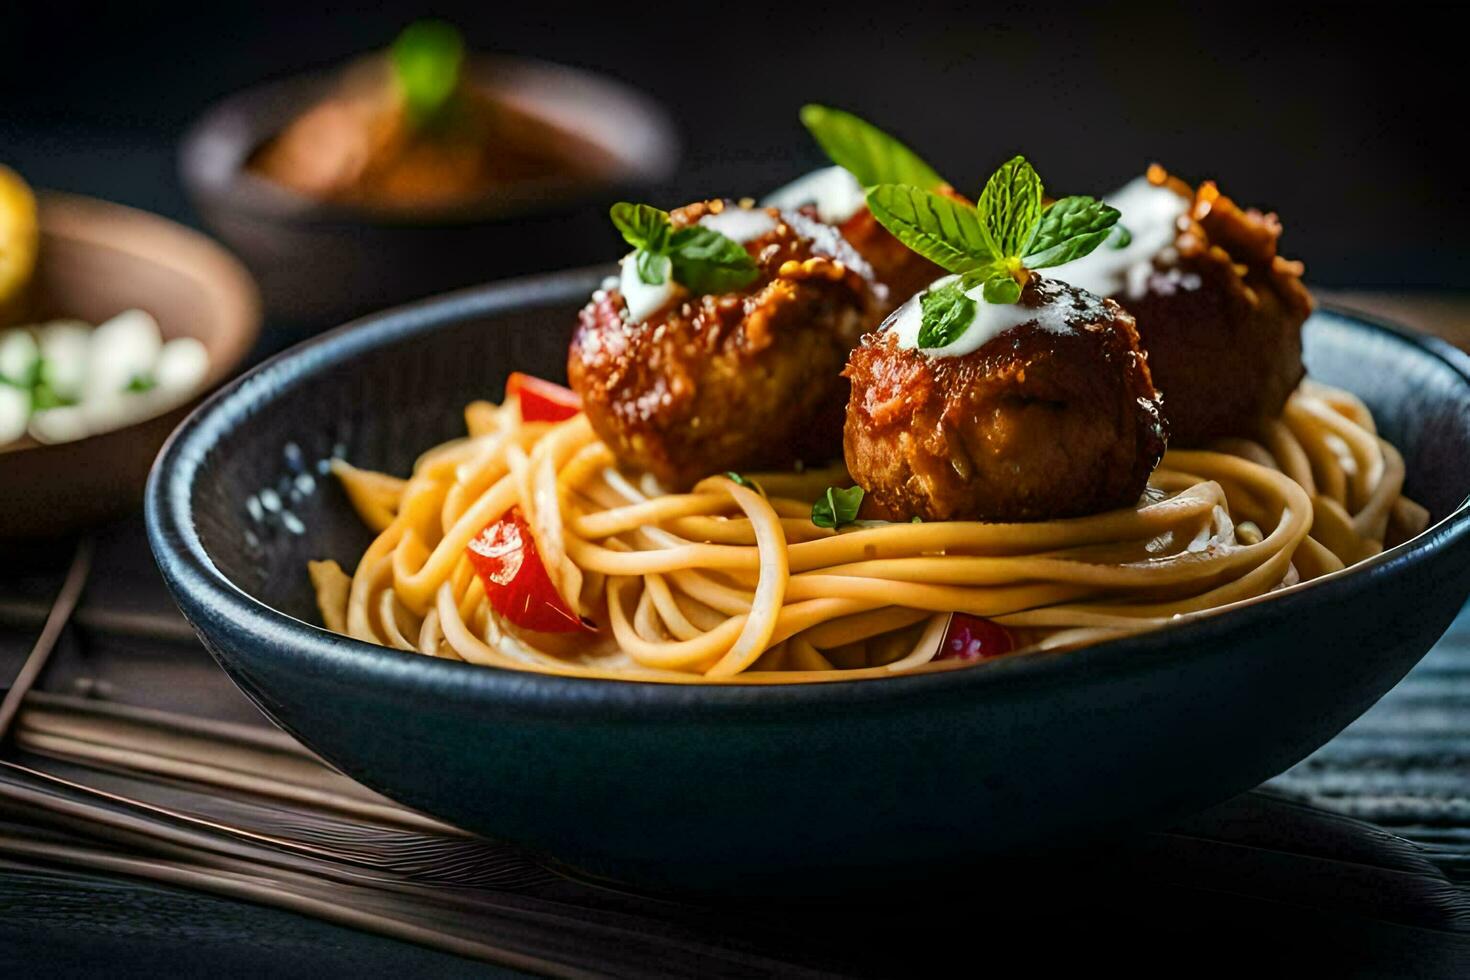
point(320, 262)
point(96, 260)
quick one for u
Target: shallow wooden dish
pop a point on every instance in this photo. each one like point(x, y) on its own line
point(96, 260)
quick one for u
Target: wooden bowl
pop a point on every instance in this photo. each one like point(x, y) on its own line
point(97, 260)
point(322, 262)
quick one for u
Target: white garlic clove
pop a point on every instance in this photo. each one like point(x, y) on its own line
point(18, 356)
point(123, 348)
point(66, 348)
point(182, 365)
point(64, 424)
point(15, 411)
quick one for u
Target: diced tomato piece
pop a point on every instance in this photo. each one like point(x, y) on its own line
point(542, 401)
point(517, 584)
point(974, 638)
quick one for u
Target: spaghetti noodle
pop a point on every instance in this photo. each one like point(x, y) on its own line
point(732, 580)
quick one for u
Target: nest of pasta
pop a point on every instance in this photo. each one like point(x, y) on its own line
point(733, 581)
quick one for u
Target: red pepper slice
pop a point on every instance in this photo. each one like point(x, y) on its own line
point(974, 638)
point(542, 401)
point(517, 584)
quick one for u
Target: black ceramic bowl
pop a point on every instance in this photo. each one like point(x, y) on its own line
point(745, 788)
point(319, 263)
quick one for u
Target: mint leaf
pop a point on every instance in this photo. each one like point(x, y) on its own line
point(649, 266)
point(426, 60)
point(837, 507)
point(865, 151)
point(641, 226)
point(996, 241)
point(706, 261)
point(1069, 229)
point(947, 232)
point(1121, 237)
point(947, 311)
point(1010, 205)
point(1002, 289)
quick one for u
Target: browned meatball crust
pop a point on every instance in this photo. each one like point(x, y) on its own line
point(1036, 424)
point(902, 271)
point(1222, 320)
point(737, 381)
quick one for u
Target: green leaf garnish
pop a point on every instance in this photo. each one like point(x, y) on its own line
point(708, 262)
point(426, 59)
point(1006, 232)
point(1002, 289)
point(837, 507)
point(1010, 207)
point(1122, 237)
point(947, 232)
point(642, 226)
point(1068, 230)
point(865, 151)
point(701, 259)
point(737, 479)
point(651, 266)
point(947, 311)
point(141, 383)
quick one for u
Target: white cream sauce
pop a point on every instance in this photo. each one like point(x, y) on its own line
point(740, 224)
point(1151, 214)
point(834, 192)
point(644, 299)
point(990, 320)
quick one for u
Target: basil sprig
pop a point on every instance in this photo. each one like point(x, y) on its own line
point(837, 507)
point(699, 258)
point(865, 151)
point(427, 58)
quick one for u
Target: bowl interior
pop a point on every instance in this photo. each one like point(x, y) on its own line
point(97, 260)
point(382, 393)
point(1007, 756)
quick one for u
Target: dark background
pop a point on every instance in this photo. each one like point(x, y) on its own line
point(1346, 120)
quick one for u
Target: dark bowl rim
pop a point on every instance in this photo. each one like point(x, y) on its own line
point(197, 583)
point(241, 192)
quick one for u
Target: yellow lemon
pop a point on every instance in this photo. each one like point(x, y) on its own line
point(19, 238)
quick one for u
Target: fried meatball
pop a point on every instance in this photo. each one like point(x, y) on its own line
point(1053, 417)
point(902, 272)
point(833, 195)
point(1218, 310)
point(737, 381)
